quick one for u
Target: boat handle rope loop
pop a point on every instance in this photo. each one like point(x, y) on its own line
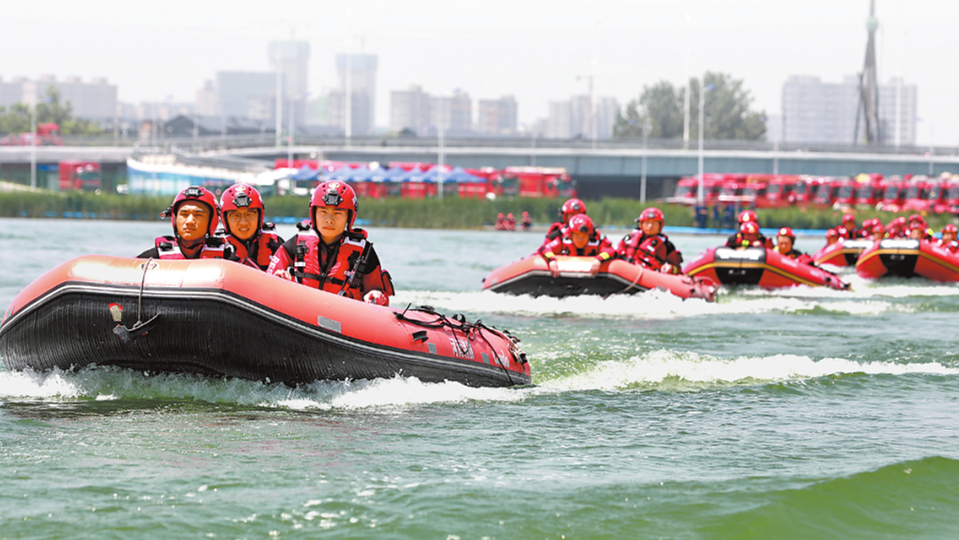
point(630, 286)
point(470, 330)
point(140, 328)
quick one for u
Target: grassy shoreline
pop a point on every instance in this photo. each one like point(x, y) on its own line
point(450, 213)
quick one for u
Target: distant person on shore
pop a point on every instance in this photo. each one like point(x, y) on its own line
point(526, 221)
point(332, 255)
point(570, 208)
point(948, 240)
point(736, 240)
point(500, 222)
point(785, 240)
point(252, 242)
point(510, 222)
point(195, 215)
point(580, 239)
point(648, 246)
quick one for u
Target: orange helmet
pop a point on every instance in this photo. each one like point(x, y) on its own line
point(582, 223)
point(335, 194)
point(651, 214)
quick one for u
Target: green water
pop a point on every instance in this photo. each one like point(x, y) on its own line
point(793, 414)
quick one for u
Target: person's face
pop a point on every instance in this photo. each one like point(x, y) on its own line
point(916, 233)
point(878, 235)
point(650, 227)
point(192, 220)
point(948, 237)
point(580, 239)
point(331, 222)
point(785, 244)
point(243, 222)
point(830, 240)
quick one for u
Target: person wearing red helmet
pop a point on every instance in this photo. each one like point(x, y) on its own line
point(332, 255)
point(878, 232)
point(526, 222)
point(648, 246)
point(510, 222)
point(848, 228)
point(747, 237)
point(580, 239)
point(500, 222)
point(194, 215)
point(252, 242)
point(736, 240)
point(831, 237)
point(785, 240)
point(896, 228)
point(570, 208)
point(919, 231)
point(948, 240)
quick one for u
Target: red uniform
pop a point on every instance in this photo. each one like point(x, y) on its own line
point(257, 251)
point(650, 251)
point(952, 246)
point(598, 246)
point(737, 241)
point(349, 267)
point(167, 247)
point(797, 255)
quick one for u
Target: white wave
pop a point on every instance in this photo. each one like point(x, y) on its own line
point(650, 305)
point(659, 367)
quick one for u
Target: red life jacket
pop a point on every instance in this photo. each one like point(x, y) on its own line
point(650, 251)
point(339, 269)
point(168, 248)
point(267, 242)
point(592, 247)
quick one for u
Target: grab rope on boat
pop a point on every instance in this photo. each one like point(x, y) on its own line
point(140, 327)
point(470, 331)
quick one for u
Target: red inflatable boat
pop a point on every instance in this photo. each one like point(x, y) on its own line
point(759, 266)
point(532, 276)
point(907, 257)
point(841, 253)
point(220, 318)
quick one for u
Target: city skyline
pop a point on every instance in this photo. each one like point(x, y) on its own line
point(520, 48)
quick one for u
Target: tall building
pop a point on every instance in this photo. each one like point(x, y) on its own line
point(357, 80)
point(607, 109)
point(577, 119)
point(206, 99)
point(817, 112)
point(497, 116)
point(11, 92)
point(453, 114)
point(290, 59)
point(94, 100)
point(410, 111)
point(237, 91)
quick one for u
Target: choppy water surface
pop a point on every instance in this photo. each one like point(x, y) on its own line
point(803, 413)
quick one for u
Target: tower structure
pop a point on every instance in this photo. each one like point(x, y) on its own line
point(868, 87)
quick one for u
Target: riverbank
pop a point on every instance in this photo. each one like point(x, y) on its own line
point(449, 213)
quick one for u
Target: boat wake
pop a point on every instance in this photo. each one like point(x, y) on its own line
point(671, 370)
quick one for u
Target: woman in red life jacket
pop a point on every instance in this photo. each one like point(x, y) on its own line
point(195, 215)
point(735, 240)
point(648, 246)
point(581, 239)
point(252, 241)
point(747, 237)
point(333, 256)
point(784, 246)
point(948, 240)
point(848, 228)
point(570, 208)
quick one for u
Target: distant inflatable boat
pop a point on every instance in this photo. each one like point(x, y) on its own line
point(219, 318)
point(907, 257)
point(841, 253)
point(532, 276)
point(759, 266)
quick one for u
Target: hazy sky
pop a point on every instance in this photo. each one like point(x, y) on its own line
point(538, 51)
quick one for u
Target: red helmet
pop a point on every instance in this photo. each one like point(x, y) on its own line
point(847, 218)
point(581, 223)
point(878, 229)
point(786, 231)
point(831, 233)
point(509, 216)
point(950, 228)
point(571, 208)
point(747, 216)
point(898, 222)
point(195, 194)
point(651, 214)
point(749, 227)
point(334, 194)
point(499, 216)
point(241, 196)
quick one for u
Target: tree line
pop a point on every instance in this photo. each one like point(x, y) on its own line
point(50, 109)
point(660, 106)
